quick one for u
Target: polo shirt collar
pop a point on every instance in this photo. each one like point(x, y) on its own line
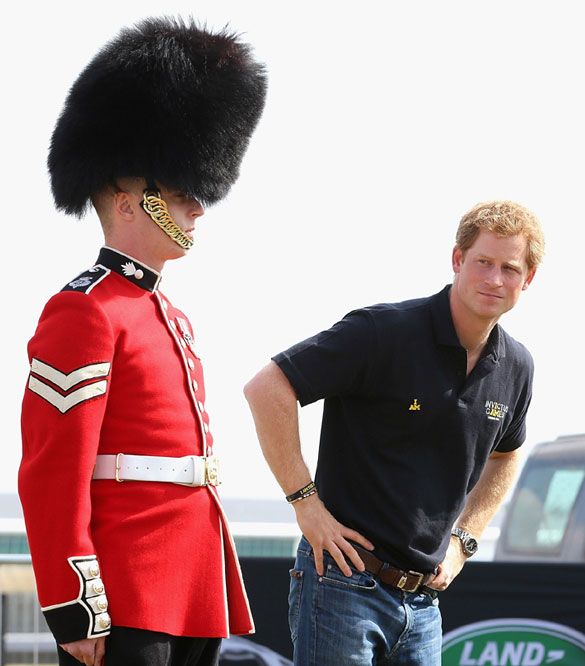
point(444, 328)
point(129, 268)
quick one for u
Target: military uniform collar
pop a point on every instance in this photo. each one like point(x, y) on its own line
point(444, 328)
point(133, 270)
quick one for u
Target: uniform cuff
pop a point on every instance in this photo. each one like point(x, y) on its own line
point(86, 616)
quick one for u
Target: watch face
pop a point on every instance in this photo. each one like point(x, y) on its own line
point(470, 545)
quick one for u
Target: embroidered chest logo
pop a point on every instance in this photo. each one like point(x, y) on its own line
point(415, 406)
point(495, 411)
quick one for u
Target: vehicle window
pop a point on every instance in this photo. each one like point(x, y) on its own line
point(541, 512)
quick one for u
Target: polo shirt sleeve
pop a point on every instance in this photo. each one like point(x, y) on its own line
point(514, 436)
point(334, 362)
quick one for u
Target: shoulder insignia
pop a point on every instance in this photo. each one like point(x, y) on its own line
point(87, 280)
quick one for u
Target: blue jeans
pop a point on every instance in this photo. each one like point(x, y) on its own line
point(338, 621)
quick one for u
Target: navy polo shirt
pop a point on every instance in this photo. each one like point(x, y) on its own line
point(405, 433)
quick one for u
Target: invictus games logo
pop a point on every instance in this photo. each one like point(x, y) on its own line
point(495, 410)
point(513, 642)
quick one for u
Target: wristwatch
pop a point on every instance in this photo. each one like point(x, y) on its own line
point(468, 543)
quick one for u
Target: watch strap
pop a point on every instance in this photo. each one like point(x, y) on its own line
point(465, 538)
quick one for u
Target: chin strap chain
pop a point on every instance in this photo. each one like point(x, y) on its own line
point(156, 208)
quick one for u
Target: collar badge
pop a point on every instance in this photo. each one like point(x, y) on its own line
point(129, 270)
point(415, 406)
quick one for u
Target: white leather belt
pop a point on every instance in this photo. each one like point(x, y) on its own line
point(186, 471)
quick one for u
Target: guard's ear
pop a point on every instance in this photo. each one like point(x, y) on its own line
point(125, 205)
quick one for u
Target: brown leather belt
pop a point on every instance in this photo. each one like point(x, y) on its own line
point(408, 581)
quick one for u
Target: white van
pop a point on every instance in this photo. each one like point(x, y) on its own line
point(545, 519)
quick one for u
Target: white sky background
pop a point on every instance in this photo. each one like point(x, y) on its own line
point(384, 123)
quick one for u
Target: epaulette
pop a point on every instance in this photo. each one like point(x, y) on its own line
point(86, 281)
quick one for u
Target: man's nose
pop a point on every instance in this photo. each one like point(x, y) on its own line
point(495, 277)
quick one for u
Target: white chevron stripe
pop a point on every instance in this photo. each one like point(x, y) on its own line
point(64, 381)
point(65, 402)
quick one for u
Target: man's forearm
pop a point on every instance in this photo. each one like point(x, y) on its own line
point(482, 503)
point(274, 407)
point(484, 500)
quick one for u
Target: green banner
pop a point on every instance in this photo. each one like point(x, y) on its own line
point(513, 642)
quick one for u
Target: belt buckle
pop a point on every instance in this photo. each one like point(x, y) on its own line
point(404, 578)
point(212, 471)
point(118, 467)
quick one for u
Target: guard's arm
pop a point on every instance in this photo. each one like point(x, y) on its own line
point(274, 407)
point(71, 356)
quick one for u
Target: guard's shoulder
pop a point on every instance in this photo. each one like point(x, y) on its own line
point(87, 280)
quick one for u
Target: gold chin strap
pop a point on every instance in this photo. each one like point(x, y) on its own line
point(156, 208)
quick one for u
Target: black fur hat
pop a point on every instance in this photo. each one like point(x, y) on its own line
point(166, 100)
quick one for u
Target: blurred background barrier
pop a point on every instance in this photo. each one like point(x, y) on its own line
point(495, 613)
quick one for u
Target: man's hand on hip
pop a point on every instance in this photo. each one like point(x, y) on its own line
point(449, 567)
point(88, 651)
point(324, 532)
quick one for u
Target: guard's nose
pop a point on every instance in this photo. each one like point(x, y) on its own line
point(196, 209)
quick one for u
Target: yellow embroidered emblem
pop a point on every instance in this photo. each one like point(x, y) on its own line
point(414, 407)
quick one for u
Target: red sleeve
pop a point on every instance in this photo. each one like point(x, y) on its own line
point(65, 398)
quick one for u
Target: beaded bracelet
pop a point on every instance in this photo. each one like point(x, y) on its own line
point(303, 493)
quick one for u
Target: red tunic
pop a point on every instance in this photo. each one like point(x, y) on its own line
point(114, 370)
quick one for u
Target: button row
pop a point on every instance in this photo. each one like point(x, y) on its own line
point(190, 362)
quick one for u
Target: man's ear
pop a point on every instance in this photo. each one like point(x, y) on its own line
point(529, 278)
point(457, 259)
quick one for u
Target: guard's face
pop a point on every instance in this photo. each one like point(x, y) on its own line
point(491, 274)
point(184, 212)
point(183, 209)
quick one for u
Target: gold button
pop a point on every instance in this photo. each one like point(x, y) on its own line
point(104, 622)
point(102, 604)
point(94, 570)
point(97, 588)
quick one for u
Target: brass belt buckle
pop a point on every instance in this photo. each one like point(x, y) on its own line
point(212, 471)
point(404, 578)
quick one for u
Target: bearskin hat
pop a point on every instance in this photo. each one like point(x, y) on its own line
point(166, 100)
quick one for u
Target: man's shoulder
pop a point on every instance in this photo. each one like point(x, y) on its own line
point(391, 313)
point(515, 351)
point(86, 281)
